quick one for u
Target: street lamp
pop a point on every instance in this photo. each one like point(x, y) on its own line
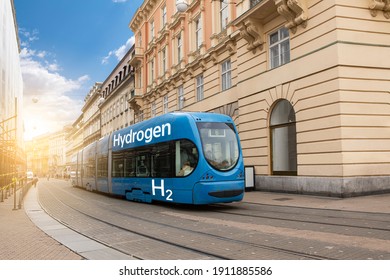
point(181, 5)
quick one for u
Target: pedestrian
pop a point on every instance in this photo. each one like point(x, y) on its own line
point(35, 181)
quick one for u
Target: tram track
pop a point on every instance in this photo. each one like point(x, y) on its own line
point(190, 232)
point(304, 221)
point(207, 254)
point(373, 215)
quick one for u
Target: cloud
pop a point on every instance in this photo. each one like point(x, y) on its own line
point(28, 36)
point(120, 52)
point(47, 105)
point(119, 1)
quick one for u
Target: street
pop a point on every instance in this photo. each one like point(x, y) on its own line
point(243, 231)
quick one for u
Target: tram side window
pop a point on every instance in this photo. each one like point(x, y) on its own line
point(130, 166)
point(186, 157)
point(142, 164)
point(102, 168)
point(161, 160)
point(92, 166)
point(117, 166)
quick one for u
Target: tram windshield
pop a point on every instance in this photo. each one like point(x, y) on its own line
point(220, 145)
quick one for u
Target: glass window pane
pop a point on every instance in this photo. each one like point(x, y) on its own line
point(161, 161)
point(284, 143)
point(284, 155)
point(284, 33)
point(129, 164)
point(117, 165)
point(282, 113)
point(143, 164)
point(274, 38)
point(186, 157)
point(274, 56)
point(220, 145)
point(285, 49)
point(279, 48)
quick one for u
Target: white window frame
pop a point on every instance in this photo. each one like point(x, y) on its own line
point(226, 74)
point(179, 40)
point(164, 60)
point(165, 104)
point(151, 71)
point(153, 110)
point(199, 87)
point(198, 33)
point(224, 15)
point(163, 16)
point(277, 56)
point(151, 30)
point(180, 97)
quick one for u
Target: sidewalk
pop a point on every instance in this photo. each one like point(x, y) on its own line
point(21, 239)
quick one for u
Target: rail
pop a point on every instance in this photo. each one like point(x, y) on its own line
point(17, 188)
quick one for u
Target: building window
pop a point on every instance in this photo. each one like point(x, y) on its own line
point(198, 33)
point(226, 75)
point(279, 47)
point(163, 16)
point(140, 116)
point(165, 104)
point(151, 71)
point(179, 45)
point(180, 96)
point(283, 139)
point(199, 88)
point(164, 60)
point(223, 13)
point(140, 39)
point(153, 109)
point(151, 30)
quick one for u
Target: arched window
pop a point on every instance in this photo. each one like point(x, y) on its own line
point(283, 139)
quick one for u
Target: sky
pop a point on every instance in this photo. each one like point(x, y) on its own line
point(67, 46)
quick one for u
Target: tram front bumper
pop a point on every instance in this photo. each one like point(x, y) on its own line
point(218, 192)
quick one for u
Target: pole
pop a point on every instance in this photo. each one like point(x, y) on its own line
point(15, 197)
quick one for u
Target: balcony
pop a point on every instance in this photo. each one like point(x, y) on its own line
point(136, 57)
point(136, 99)
point(260, 12)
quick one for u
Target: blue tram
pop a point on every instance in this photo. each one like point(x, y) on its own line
point(181, 157)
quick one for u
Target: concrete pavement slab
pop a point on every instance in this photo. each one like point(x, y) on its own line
point(82, 245)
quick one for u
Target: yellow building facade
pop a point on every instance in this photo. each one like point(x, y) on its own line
point(306, 81)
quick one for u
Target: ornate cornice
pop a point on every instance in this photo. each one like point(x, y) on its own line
point(380, 5)
point(294, 11)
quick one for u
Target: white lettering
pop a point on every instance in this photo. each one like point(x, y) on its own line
point(168, 126)
point(156, 131)
point(158, 188)
point(117, 140)
point(140, 135)
point(148, 135)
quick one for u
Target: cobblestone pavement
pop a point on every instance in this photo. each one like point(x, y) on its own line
point(21, 239)
point(263, 226)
